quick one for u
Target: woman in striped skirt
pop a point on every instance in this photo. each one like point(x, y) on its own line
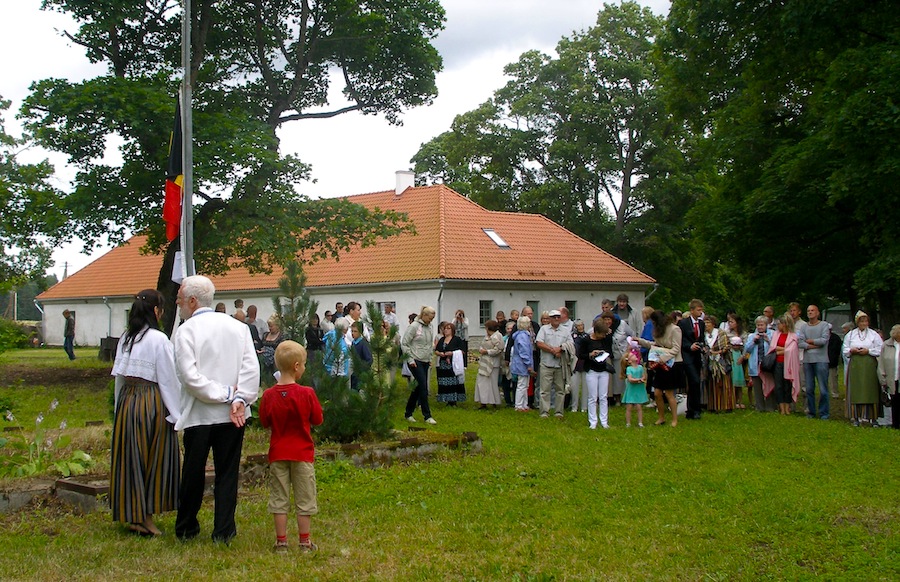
point(145, 464)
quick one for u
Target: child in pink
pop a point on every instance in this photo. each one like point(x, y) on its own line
point(289, 411)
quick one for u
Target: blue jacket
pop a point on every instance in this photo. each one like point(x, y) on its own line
point(750, 348)
point(523, 357)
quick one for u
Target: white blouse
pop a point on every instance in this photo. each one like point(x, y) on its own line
point(153, 359)
point(867, 339)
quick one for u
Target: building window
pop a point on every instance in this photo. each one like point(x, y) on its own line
point(485, 311)
point(381, 305)
point(498, 240)
point(536, 307)
point(572, 306)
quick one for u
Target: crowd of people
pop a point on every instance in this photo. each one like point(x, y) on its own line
point(203, 382)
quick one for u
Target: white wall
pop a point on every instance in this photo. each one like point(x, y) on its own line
point(92, 320)
point(93, 317)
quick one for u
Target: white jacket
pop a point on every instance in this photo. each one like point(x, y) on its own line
point(216, 362)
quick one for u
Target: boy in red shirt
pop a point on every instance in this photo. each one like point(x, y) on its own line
point(290, 410)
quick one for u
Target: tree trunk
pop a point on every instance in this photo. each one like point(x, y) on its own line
point(168, 287)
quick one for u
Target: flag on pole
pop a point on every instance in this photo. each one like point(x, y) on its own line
point(174, 180)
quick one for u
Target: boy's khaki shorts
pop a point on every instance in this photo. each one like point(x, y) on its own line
point(284, 475)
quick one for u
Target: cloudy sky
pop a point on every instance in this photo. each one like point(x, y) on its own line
point(350, 154)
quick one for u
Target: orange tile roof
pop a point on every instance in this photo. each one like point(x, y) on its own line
point(449, 243)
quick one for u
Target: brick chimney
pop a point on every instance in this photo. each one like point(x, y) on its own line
point(405, 179)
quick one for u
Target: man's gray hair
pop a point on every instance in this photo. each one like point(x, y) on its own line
point(341, 326)
point(200, 288)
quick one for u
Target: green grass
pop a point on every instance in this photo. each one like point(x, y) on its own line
point(742, 495)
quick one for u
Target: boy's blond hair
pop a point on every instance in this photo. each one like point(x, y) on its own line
point(287, 354)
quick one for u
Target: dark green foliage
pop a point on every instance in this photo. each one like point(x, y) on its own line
point(294, 306)
point(30, 212)
point(12, 335)
point(796, 104)
point(350, 415)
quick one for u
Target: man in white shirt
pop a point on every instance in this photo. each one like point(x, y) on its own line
point(219, 373)
point(549, 341)
point(389, 315)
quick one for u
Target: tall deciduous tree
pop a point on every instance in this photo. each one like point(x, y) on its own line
point(584, 139)
point(256, 65)
point(797, 102)
point(30, 212)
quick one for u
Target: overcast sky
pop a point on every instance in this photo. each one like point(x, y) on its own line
point(350, 154)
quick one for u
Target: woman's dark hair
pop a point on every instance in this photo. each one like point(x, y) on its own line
point(660, 322)
point(739, 324)
point(142, 317)
point(314, 320)
point(491, 325)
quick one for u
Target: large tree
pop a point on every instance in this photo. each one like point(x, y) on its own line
point(30, 212)
point(797, 103)
point(569, 136)
point(256, 65)
point(583, 138)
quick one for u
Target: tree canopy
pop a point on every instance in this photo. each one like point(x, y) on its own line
point(797, 103)
point(30, 208)
point(256, 65)
point(746, 153)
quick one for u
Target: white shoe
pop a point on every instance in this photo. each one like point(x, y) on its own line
point(605, 425)
point(430, 420)
point(411, 419)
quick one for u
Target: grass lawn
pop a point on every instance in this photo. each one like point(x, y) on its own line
point(742, 495)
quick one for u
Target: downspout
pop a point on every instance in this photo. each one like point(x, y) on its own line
point(109, 325)
point(440, 298)
point(41, 309)
point(646, 297)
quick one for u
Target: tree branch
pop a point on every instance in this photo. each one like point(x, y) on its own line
point(323, 114)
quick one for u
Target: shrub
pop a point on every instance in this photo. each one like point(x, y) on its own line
point(12, 335)
point(349, 414)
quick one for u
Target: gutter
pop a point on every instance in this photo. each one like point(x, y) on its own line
point(646, 297)
point(41, 309)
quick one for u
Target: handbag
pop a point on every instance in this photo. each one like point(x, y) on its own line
point(885, 397)
point(768, 362)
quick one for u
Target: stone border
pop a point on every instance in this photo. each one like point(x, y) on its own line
point(89, 493)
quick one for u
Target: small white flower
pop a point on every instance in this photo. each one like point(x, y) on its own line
point(54, 404)
point(9, 416)
point(39, 419)
point(49, 443)
point(63, 425)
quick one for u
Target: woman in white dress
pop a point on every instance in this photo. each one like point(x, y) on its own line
point(487, 389)
point(862, 346)
point(145, 461)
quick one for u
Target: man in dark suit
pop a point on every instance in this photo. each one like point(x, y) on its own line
point(692, 328)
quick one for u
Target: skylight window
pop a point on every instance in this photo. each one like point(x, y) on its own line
point(498, 240)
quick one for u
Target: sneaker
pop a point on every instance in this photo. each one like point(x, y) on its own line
point(430, 420)
point(411, 419)
point(310, 547)
point(545, 415)
point(605, 425)
point(559, 415)
point(627, 425)
point(280, 548)
point(641, 425)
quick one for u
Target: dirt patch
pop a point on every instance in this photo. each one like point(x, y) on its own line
point(91, 378)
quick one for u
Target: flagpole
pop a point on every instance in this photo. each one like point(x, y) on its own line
point(187, 151)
